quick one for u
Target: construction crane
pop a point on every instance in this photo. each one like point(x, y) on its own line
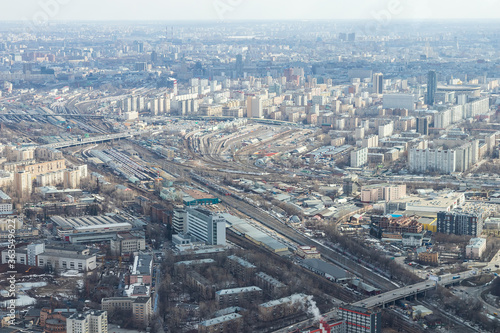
point(112, 258)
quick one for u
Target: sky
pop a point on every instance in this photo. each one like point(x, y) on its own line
point(230, 10)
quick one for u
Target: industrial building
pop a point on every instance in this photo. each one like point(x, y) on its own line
point(91, 224)
point(58, 257)
point(329, 271)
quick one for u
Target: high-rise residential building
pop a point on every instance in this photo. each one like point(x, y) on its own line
point(206, 226)
point(23, 184)
point(254, 107)
point(140, 47)
point(370, 141)
point(361, 320)
point(378, 83)
point(442, 119)
point(423, 125)
point(461, 222)
point(386, 130)
point(464, 157)
point(94, 321)
point(399, 101)
point(386, 192)
point(431, 87)
point(359, 157)
point(425, 160)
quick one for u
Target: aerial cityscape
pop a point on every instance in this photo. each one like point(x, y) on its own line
point(238, 172)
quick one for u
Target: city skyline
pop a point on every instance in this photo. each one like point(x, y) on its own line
point(235, 10)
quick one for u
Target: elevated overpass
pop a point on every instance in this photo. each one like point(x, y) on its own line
point(418, 288)
point(86, 141)
point(64, 115)
point(394, 295)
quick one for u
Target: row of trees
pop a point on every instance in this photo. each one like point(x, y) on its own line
point(361, 251)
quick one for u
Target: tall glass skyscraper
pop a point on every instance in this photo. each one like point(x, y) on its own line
point(431, 87)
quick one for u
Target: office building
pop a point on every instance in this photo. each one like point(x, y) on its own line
point(423, 125)
point(128, 242)
point(361, 320)
point(431, 88)
point(179, 220)
point(378, 83)
point(94, 321)
point(206, 226)
point(431, 160)
point(461, 222)
point(359, 157)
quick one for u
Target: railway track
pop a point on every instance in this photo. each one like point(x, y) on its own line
point(327, 253)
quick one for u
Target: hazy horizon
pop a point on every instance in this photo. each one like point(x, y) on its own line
point(246, 10)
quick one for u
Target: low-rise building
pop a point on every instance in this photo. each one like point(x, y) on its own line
point(128, 242)
point(93, 321)
point(142, 269)
point(428, 257)
point(269, 284)
point(308, 252)
point(240, 268)
point(67, 257)
point(227, 323)
point(140, 306)
point(282, 307)
point(238, 296)
point(412, 239)
point(475, 248)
